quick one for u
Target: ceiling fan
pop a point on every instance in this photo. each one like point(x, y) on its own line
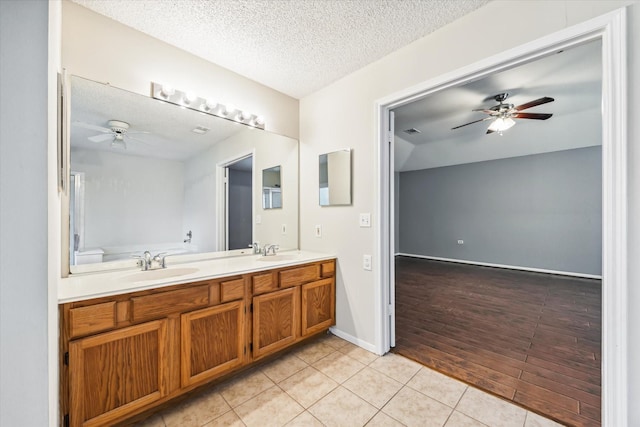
point(503, 113)
point(118, 132)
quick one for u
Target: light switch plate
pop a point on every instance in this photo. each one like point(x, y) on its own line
point(318, 230)
point(366, 262)
point(365, 220)
point(258, 219)
point(284, 228)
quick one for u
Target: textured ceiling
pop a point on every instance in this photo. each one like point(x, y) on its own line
point(294, 46)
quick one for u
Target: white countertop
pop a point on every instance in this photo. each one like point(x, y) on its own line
point(85, 286)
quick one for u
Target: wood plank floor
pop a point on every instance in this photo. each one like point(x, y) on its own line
point(531, 338)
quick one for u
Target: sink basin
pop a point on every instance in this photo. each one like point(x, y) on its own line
point(164, 273)
point(279, 257)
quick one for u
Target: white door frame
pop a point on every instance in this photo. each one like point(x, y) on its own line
point(611, 30)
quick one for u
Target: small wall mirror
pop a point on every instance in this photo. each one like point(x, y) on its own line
point(271, 188)
point(335, 178)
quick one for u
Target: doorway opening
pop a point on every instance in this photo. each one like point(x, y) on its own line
point(238, 203)
point(610, 30)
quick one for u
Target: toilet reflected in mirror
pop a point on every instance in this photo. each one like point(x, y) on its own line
point(271, 188)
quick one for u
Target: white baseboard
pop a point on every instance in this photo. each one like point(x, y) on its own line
point(353, 340)
point(510, 267)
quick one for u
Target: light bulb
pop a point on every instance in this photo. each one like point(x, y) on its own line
point(501, 124)
point(229, 109)
point(209, 105)
point(167, 91)
point(189, 97)
point(260, 120)
point(245, 116)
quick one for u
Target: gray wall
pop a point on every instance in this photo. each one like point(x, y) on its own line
point(23, 213)
point(240, 209)
point(540, 211)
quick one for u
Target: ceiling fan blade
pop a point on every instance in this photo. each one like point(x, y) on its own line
point(485, 110)
point(535, 116)
point(534, 103)
point(470, 123)
point(136, 132)
point(100, 138)
point(92, 127)
point(132, 138)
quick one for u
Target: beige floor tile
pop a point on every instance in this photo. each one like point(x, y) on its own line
point(284, 367)
point(305, 419)
point(358, 353)
point(196, 411)
point(458, 419)
point(373, 386)
point(246, 386)
point(535, 420)
point(230, 419)
point(335, 341)
point(273, 407)
point(415, 409)
point(308, 386)
point(490, 410)
point(342, 408)
point(153, 421)
point(338, 366)
point(438, 386)
point(383, 420)
point(397, 367)
point(315, 351)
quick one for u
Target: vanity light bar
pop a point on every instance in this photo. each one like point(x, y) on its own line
point(191, 101)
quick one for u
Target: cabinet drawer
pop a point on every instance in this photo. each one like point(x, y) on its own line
point(328, 269)
point(92, 319)
point(297, 276)
point(263, 283)
point(232, 290)
point(163, 303)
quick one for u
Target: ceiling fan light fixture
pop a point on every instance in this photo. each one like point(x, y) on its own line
point(501, 124)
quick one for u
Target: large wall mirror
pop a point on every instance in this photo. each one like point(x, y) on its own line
point(335, 178)
point(147, 175)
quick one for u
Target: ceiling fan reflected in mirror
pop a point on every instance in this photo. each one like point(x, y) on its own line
point(504, 113)
point(118, 132)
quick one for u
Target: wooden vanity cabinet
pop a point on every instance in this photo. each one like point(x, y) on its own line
point(212, 342)
point(126, 354)
point(117, 372)
point(302, 305)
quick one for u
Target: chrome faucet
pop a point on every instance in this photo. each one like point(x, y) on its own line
point(256, 247)
point(269, 250)
point(146, 261)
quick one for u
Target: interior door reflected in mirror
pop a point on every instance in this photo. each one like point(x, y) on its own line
point(145, 173)
point(335, 178)
point(271, 188)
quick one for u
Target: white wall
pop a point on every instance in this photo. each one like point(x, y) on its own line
point(101, 49)
point(25, 374)
point(130, 200)
point(323, 128)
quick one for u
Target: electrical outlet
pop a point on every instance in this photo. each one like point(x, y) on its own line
point(284, 228)
point(365, 220)
point(461, 242)
point(318, 230)
point(366, 262)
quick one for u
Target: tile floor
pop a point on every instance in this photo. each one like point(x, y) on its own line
point(331, 382)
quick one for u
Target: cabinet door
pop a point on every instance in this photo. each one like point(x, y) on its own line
point(212, 341)
point(276, 320)
point(318, 306)
point(117, 372)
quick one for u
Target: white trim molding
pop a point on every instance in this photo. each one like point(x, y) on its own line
point(611, 30)
point(505, 266)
